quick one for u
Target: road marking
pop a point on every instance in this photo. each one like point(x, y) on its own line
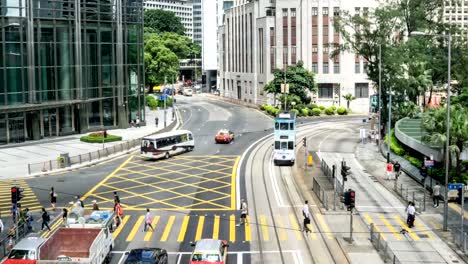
point(233, 184)
point(248, 232)
point(52, 228)
point(295, 226)
point(390, 227)
point(282, 229)
point(201, 222)
point(324, 226)
point(150, 231)
point(403, 224)
point(216, 227)
point(263, 222)
point(183, 229)
point(274, 183)
point(420, 227)
point(232, 228)
point(119, 229)
point(370, 221)
point(135, 228)
point(167, 230)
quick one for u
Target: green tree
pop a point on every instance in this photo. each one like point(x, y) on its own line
point(160, 21)
point(160, 62)
point(300, 80)
point(348, 97)
point(462, 98)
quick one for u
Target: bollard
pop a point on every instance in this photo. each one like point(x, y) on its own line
point(29, 169)
point(424, 201)
point(371, 232)
point(407, 193)
point(80, 158)
point(378, 242)
point(334, 201)
point(50, 164)
point(89, 154)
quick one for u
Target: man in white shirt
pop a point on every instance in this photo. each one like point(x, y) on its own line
point(411, 214)
point(244, 212)
point(306, 214)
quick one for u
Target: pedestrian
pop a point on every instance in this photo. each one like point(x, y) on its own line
point(244, 212)
point(11, 243)
point(411, 210)
point(436, 195)
point(79, 202)
point(45, 219)
point(65, 215)
point(156, 121)
point(397, 168)
point(118, 211)
point(2, 227)
point(138, 122)
point(373, 136)
point(116, 221)
point(29, 219)
point(389, 171)
point(306, 214)
point(148, 220)
point(53, 197)
point(14, 212)
point(116, 198)
point(95, 206)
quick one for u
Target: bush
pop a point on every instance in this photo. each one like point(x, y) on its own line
point(264, 106)
point(329, 111)
point(276, 111)
point(341, 110)
point(316, 111)
point(322, 107)
point(168, 102)
point(414, 161)
point(97, 138)
point(394, 144)
point(312, 106)
point(295, 111)
point(305, 112)
point(333, 107)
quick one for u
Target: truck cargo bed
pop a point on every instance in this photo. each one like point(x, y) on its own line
point(70, 242)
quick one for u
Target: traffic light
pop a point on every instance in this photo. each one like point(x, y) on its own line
point(304, 142)
point(14, 198)
point(352, 199)
point(19, 194)
point(346, 198)
point(345, 171)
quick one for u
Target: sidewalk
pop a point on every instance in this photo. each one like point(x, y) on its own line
point(374, 163)
point(14, 159)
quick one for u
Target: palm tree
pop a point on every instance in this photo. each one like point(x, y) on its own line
point(348, 97)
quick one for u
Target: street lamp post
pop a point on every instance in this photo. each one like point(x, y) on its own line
point(447, 140)
point(379, 103)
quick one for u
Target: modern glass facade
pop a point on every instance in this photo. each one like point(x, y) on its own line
point(69, 66)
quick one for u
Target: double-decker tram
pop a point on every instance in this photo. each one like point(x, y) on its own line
point(285, 138)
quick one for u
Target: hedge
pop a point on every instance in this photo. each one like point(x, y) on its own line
point(304, 111)
point(342, 111)
point(295, 111)
point(312, 106)
point(333, 107)
point(394, 144)
point(322, 107)
point(98, 139)
point(414, 161)
point(316, 111)
point(330, 111)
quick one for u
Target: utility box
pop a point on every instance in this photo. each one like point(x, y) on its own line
point(64, 160)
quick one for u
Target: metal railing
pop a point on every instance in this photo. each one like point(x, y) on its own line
point(461, 240)
point(418, 197)
point(4, 242)
point(381, 246)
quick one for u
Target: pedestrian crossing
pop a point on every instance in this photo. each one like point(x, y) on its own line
point(186, 228)
point(29, 197)
point(390, 226)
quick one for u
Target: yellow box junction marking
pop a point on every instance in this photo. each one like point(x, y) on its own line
point(390, 227)
point(183, 229)
point(167, 230)
point(135, 228)
point(263, 223)
point(216, 227)
point(149, 230)
point(201, 221)
point(295, 226)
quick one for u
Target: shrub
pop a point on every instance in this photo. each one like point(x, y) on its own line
point(394, 144)
point(341, 110)
point(264, 106)
point(329, 111)
point(305, 112)
point(311, 112)
point(322, 107)
point(333, 107)
point(295, 111)
point(168, 102)
point(97, 138)
point(316, 111)
point(414, 161)
point(312, 106)
point(276, 111)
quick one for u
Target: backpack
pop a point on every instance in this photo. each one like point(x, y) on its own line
point(47, 217)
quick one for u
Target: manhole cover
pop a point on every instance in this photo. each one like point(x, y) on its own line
point(423, 236)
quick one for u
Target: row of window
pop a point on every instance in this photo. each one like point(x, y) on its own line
point(325, 90)
point(171, 7)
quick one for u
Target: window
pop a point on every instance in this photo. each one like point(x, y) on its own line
point(336, 11)
point(314, 48)
point(326, 49)
point(325, 30)
point(314, 11)
point(291, 145)
point(315, 67)
point(325, 90)
point(293, 55)
point(325, 11)
point(357, 11)
point(285, 12)
point(357, 67)
point(361, 90)
point(336, 68)
point(365, 67)
point(325, 67)
point(365, 11)
point(291, 126)
point(293, 12)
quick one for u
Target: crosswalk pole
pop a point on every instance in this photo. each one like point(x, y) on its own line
point(351, 226)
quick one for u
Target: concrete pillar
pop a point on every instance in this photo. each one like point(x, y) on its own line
point(36, 126)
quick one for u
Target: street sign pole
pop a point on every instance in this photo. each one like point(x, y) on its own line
point(351, 226)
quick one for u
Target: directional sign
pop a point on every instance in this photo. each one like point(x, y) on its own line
point(163, 97)
point(429, 163)
point(455, 186)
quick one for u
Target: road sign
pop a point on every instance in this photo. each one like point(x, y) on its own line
point(162, 97)
point(429, 163)
point(455, 186)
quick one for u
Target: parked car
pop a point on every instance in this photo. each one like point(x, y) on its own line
point(217, 92)
point(188, 92)
point(147, 256)
point(209, 251)
point(224, 136)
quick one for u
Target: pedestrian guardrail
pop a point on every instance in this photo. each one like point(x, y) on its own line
point(328, 189)
point(6, 244)
point(51, 165)
point(418, 197)
point(381, 246)
point(459, 238)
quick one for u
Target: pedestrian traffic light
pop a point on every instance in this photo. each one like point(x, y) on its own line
point(347, 198)
point(345, 171)
point(352, 199)
point(19, 194)
point(304, 142)
point(13, 195)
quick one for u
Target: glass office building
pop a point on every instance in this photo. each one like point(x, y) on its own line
point(69, 66)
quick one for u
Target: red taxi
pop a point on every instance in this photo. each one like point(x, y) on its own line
point(224, 136)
